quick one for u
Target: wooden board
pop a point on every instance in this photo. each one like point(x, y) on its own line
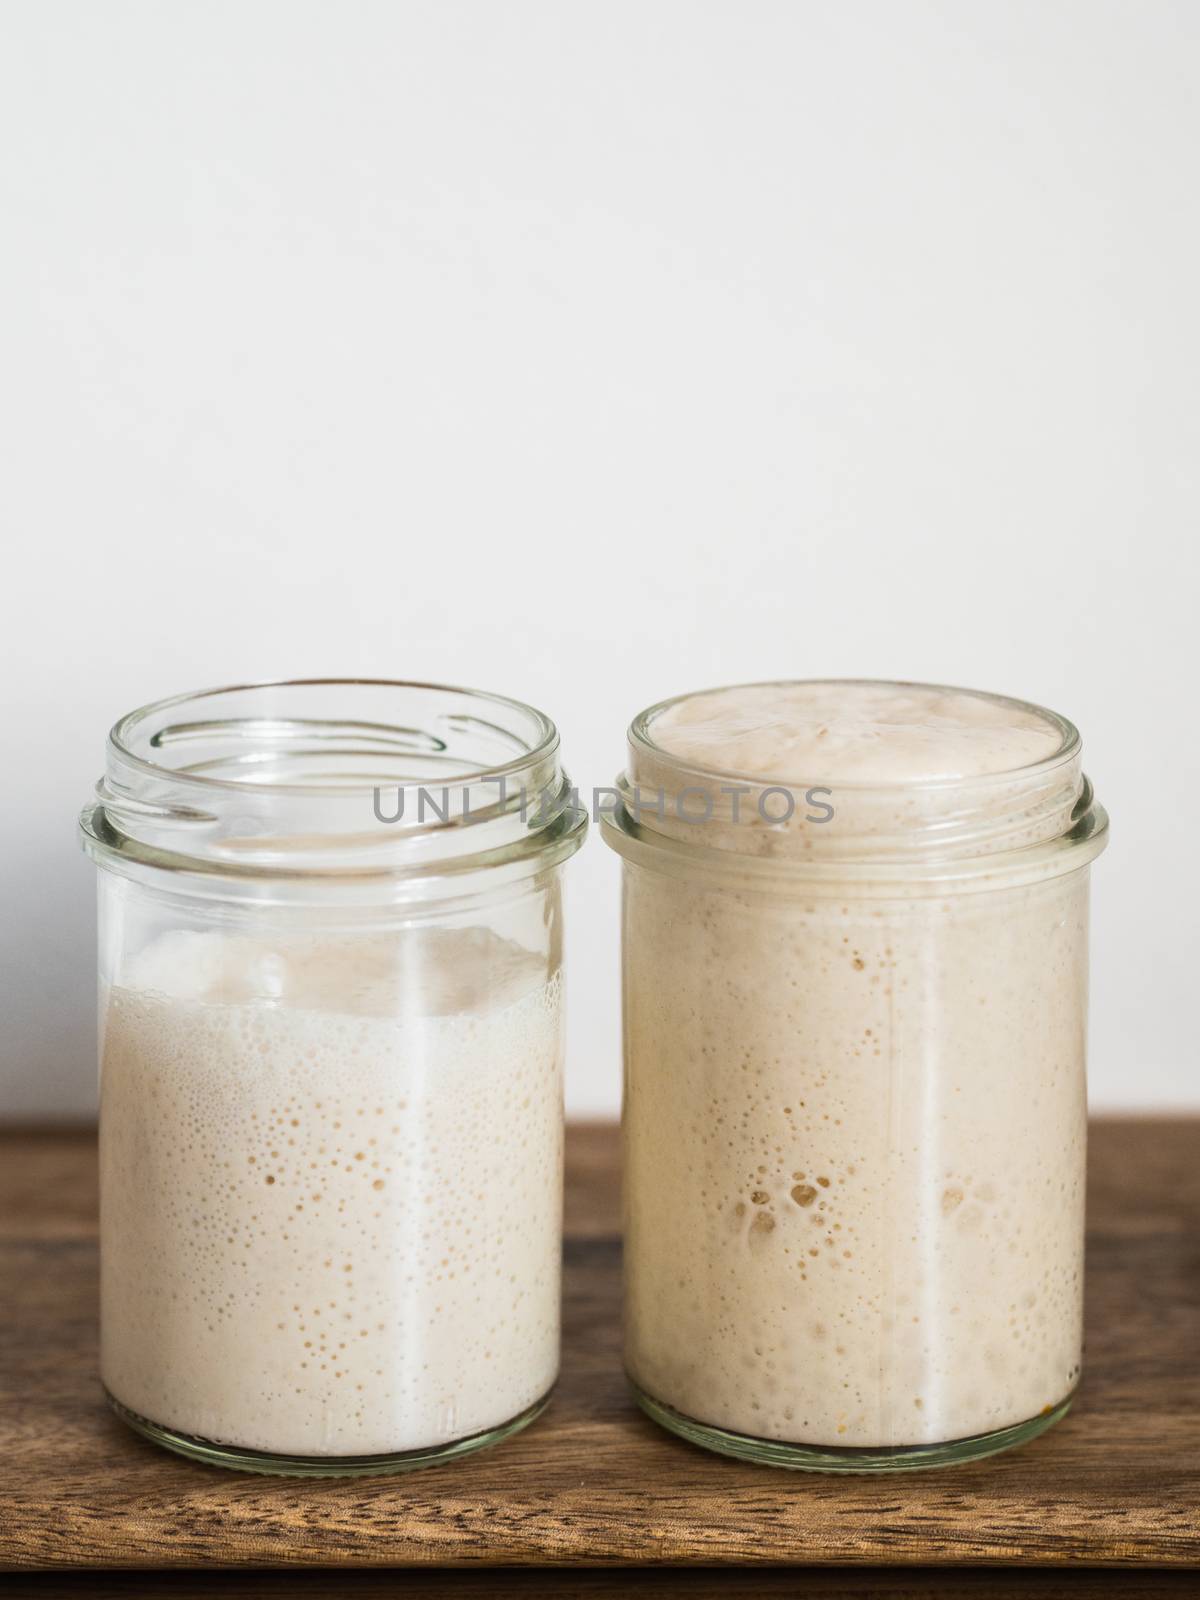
point(593, 1483)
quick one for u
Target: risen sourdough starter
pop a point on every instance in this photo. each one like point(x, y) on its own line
point(854, 1126)
point(327, 1231)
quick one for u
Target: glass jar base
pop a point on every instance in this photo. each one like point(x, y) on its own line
point(287, 1466)
point(833, 1458)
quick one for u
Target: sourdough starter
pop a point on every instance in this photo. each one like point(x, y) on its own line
point(326, 1229)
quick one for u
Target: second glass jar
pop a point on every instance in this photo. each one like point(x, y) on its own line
point(855, 974)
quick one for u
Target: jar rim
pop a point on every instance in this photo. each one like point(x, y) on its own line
point(547, 741)
point(927, 827)
point(475, 775)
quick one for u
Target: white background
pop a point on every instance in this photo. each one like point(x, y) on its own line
point(592, 353)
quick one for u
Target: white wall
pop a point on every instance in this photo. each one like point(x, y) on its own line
point(592, 353)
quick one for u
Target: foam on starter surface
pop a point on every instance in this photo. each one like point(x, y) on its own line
point(854, 732)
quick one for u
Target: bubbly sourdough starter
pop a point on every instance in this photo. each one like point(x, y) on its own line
point(854, 1127)
point(326, 1231)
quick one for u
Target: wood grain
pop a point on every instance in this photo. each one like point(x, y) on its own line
point(593, 1483)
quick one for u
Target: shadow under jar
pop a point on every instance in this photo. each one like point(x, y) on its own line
point(855, 978)
point(331, 1071)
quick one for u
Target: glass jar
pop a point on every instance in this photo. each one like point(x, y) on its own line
point(331, 1071)
point(855, 1117)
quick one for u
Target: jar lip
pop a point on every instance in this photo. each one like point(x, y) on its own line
point(319, 781)
point(544, 743)
point(1068, 749)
